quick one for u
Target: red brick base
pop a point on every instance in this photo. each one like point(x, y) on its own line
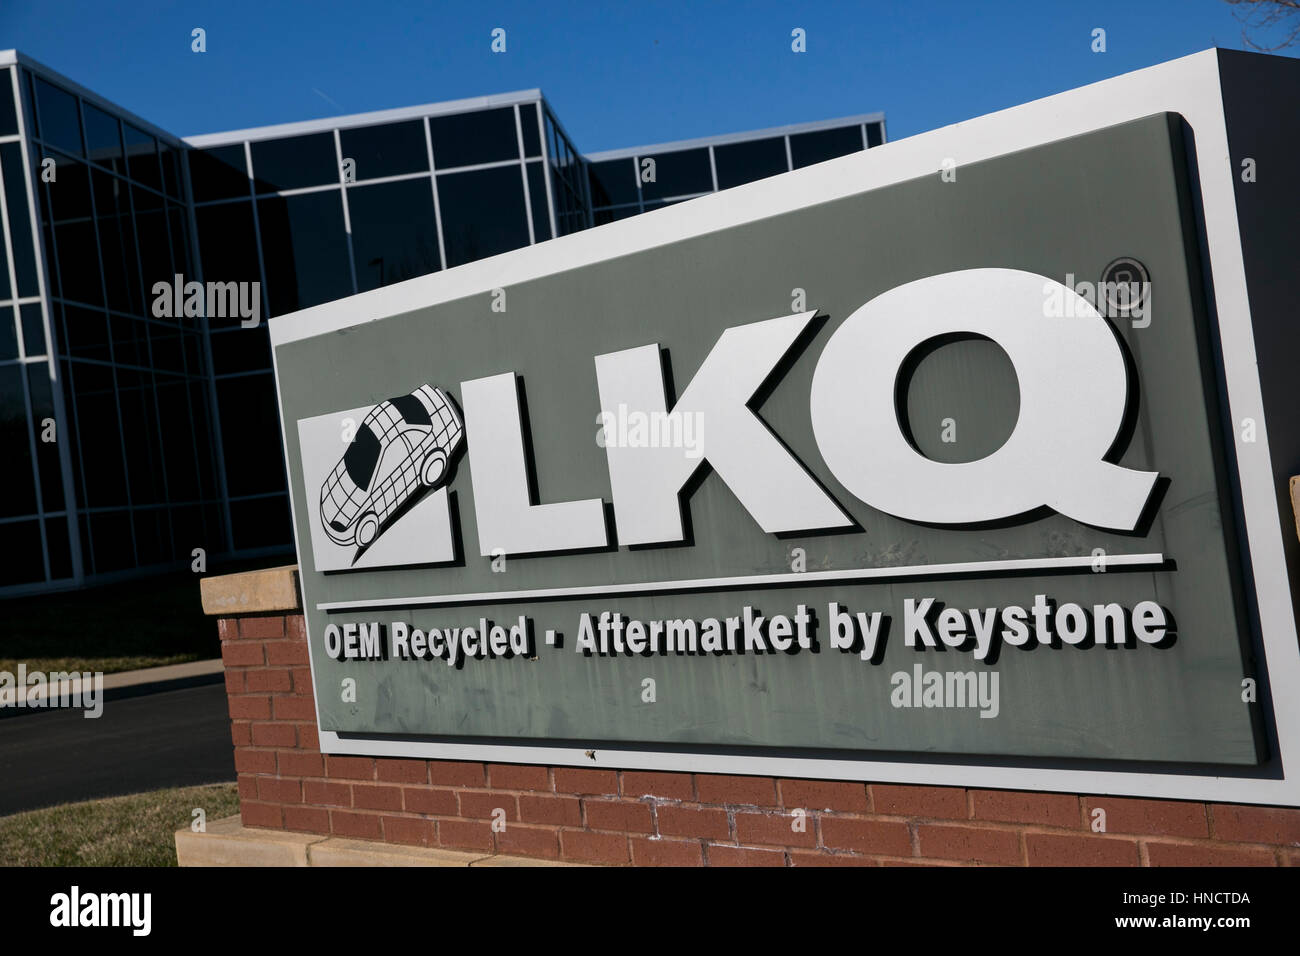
point(683, 819)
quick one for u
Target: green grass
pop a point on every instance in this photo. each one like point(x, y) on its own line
point(138, 830)
point(148, 622)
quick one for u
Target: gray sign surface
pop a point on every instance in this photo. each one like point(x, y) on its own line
point(1062, 211)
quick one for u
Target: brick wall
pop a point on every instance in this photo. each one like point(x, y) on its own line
point(651, 818)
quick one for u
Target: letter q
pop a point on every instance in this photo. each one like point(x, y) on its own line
point(1073, 395)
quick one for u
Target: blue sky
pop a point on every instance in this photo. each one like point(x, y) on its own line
point(617, 74)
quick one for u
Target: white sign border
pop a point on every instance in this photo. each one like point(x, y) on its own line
point(1189, 86)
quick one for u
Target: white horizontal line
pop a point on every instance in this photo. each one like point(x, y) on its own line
point(753, 580)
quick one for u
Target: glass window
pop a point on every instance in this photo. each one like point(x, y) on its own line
point(745, 162)
point(47, 452)
point(390, 150)
point(537, 200)
point(467, 139)
point(294, 162)
point(88, 334)
point(59, 125)
point(71, 200)
point(117, 242)
point(394, 232)
point(261, 522)
point(103, 139)
point(130, 343)
point(809, 148)
point(305, 250)
point(166, 345)
point(362, 456)
point(241, 350)
point(171, 171)
point(154, 243)
point(528, 126)
point(21, 560)
point(875, 134)
point(19, 496)
point(613, 181)
point(206, 444)
point(33, 329)
point(79, 255)
point(20, 219)
point(99, 434)
point(142, 157)
point(8, 333)
point(218, 173)
point(483, 213)
point(140, 436)
point(114, 544)
point(152, 536)
point(250, 433)
point(59, 548)
point(8, 114)
point(188, 533)
point(677, 174)
point(227, 248)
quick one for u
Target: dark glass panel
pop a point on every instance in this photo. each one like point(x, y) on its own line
point(20, 558)
point(8, 333)
point(394, 232)
point(59, 547)
point(8, 112)
point(241, 350)
point(152, 536)
point(20, 219)
point(130, 343)
point(389, 150)
point(47, 452)
point(305, 250)
point(140, 436)
point(99, 435)
point(218, 173)
point(677, 174)
point(180, 230)
point(746, 162)
point(809, 148)
point(33, 329)
point(188, 534)
point(70, 191)
point(155, 246)
point(59, 124)
point(537, 199)
point(79, 261)
point(179, 436)
point(261, 522)
point(113, 541)
point(875, 134)
point(142, 157)
point(294, 162)
point(166, 345)
point(468, 139)
point(117, 242)
point(227, 248)
point(613, 181)
point(250, 434)
point(171, 171)
point(103, 139)
point(483, 213)
point(205, 438)
point(528, 125)
point(87, 332)
point(19, 496)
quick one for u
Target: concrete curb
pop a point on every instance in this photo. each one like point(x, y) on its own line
point(227, 842)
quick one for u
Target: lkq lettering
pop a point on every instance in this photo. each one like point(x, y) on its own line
point(1073, 384)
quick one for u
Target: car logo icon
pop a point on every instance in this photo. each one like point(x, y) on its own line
point(403, 449)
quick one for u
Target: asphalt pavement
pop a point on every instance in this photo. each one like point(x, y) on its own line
point(168, 738)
